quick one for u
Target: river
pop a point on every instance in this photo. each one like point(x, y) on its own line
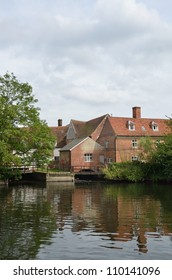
point(86, 221)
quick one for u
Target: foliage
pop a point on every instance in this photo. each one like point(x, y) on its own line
point(130, 171)
point(147, 147)
point(24, 138)
point(163, 157)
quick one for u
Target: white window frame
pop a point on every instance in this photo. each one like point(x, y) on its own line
point(88, 157)
point(109, 160)
point(154, 126)
point(134, 158)
point(131, 125)
point(134, 143)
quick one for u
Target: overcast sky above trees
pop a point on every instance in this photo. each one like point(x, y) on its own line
point(86, 58)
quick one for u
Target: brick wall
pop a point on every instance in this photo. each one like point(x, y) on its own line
point(65, 160)
point(87, 147)
point(107, 140)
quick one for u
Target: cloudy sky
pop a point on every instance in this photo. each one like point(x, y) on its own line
point(86, 58)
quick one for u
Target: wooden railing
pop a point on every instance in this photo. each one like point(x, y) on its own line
point(85, 169)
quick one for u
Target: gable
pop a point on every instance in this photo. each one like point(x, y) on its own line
point(71, 133)
point(99, 125)
point(87, 142)
point(72, 144)
point(107, 129)
point(89, 145)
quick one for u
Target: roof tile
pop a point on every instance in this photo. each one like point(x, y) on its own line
point(142, 126)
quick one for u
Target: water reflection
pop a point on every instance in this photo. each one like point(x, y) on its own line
point(92, 221)
point(122, 212)
point(25, 222)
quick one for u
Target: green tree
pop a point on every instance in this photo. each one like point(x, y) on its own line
point(24, 138)
point(162, 158)
point(147, 148)
point(163, 155)
point(128, 171)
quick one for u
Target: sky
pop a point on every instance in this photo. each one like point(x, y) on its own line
point(87, 58)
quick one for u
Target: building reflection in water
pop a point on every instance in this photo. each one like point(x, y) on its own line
point(122, 217)
point(30, 216)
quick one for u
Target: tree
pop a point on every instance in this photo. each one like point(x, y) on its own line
point(163, 155)
point(148, 149)
point(24, 138)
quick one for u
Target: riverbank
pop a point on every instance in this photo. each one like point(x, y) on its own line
point(55, 177)
point(49, 176)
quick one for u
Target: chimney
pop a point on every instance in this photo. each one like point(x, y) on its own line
point(136, 112)
point(59, 122)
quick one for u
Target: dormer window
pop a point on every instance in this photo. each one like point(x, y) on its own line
point(154, 126)
point(131, 125)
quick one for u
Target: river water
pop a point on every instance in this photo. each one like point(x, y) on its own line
point(86, 221)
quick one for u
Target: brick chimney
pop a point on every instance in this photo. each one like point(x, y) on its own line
point(136, 112)
point(59, 122)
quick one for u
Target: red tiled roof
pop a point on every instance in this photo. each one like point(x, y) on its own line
point(79, 127)
point(60, 133)
point(84, 129)
point(142, 126)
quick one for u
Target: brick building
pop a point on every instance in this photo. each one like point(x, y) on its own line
point(106, 139)
point(82, 154)
point(121, 135)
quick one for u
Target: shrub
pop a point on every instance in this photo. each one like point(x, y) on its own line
point(130, 171)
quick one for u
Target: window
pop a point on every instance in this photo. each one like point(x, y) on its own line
point(134, 158)
point(107, 144)
point(154, 126)
point(134, 143)
point(131, 125)
point(88, 157)
point(102, 159)
point(109, 160)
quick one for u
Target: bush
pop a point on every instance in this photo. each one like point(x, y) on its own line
point(130, 171)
